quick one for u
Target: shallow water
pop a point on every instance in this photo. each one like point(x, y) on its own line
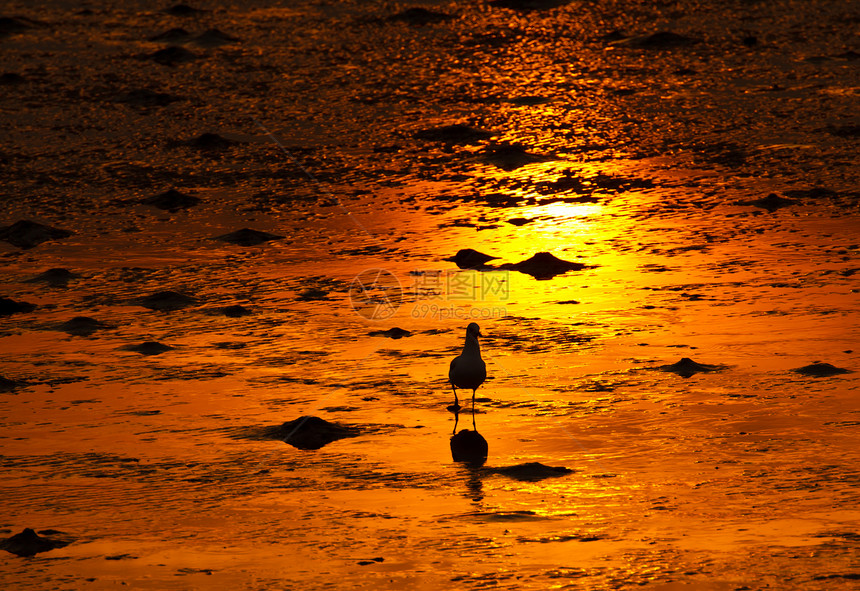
point(641, 162)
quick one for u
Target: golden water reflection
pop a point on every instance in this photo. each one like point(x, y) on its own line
point(163, 467)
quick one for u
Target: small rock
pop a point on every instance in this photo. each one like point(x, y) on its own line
point(532, 471)
point(166, 301)
point(9, 307)
point(82, 326)
point(846, 131)
point(144, 97)
point(527, 5)
point(311, 432)
point(12, 25)
point(658, 40)
point(149, 348)
point(214, 38)
point(812, 193)
point(209, 141)
point(183, 10)
point(26, 234)
point(392, 333)
point(312, 294)
point(420, 16)
point(371, 561)
point(248, 237)
point(171, 200)
point(510, 156)
point(172, 55)
point(686, 367)
point(11, 79)
point(29, 543)
point(7, 385)
point(175, 35)
point(56, 277)
point(235, 311)
point(820, 370)
point(543, 266)
point(519, 221)
point(771, 203)
point(467, 258)
point(454, 134)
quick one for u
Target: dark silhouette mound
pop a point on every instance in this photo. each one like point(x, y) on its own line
point(519, 221)
point(544, 265)
point(7, 385)
point(209, 141)
point(820, 370)
point(214, 38)
point(527, 5)
point(532, 471)
point(172, 55)
point(149, 348)
point(235, 311)
point(771, 203)
point(312, 295)
point(26, 234)
point(12, 25)
point(171, 200)
point(174, 35)
point(82, 326)
point(9, 307)
point(420, 16)
point(165, 301)
point(466, 258)
point(57, 277)
point(454, 134)
point(391, 333)
point(313, 432)
point(248, 237)
point(29, 543)
point(145, 97)
point(469, 447)
point(183, 10)
point(658, 40)
point(686, 367)
point(510, 156)
point(11, 79)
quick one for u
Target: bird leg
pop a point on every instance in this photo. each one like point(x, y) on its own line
point(456, 406)
point(473, 412)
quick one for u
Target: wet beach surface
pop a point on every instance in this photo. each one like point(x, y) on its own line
point(218, 219)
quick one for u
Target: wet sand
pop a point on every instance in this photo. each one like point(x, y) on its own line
point(238, 217)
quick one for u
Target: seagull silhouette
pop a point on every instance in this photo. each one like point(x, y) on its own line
point(468, 371)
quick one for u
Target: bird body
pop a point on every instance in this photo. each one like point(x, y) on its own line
point(468, 371)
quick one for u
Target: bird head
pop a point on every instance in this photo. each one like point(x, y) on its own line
point(474, 330)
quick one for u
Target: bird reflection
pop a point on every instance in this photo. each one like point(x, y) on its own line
point(469, 448)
